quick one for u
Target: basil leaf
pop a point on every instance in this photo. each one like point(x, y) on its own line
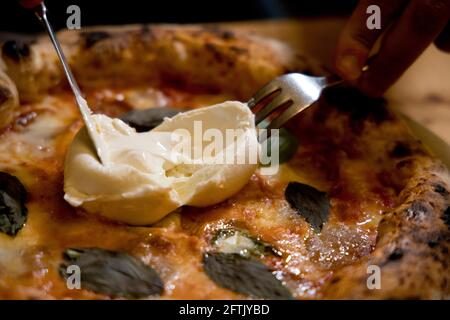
point(312, 204)
point(147, 119)
point(16, 50)
point(115, 274)
point(13, 212)
point(287, 145)
point(234, 272)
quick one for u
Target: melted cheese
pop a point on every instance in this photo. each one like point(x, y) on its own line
point(145, 177)
point(93, 129)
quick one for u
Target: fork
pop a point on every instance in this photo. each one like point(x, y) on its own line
point(292, 92)
point(39, 8)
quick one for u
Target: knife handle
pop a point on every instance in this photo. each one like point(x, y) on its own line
point(30, 4)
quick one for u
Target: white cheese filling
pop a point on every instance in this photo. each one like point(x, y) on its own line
point(147, 175)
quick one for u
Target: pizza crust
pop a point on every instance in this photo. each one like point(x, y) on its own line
point(412, 248)
point(133, 54)
point(9, 100)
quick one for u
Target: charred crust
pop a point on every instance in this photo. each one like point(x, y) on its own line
point(396, 255)
point(440, 189)
point(147, 32)
point(435, 240)
point(145, 28)
point(239, 50)
point(446, 217)
point(91, 38)
point(335, 280)
point(16, 50)
point(357, 105)
point(404, 163)
point(226, 34)
point(400, 150)
point(417, 211)
point(219, 55)
point(220, 33)
point(5, 94)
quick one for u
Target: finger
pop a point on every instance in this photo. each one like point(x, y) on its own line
point(420, 24)
point(29, 4)
point(443, 40)
point(356, 39)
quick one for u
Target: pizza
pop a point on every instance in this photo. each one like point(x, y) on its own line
point(357, 210)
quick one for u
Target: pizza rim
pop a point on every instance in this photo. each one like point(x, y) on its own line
point(411, 239)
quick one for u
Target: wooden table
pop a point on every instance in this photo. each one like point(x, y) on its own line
point(423, 93)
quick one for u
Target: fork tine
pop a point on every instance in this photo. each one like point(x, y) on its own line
point(288, 114)
point(294, 91)
point(262, 93)
point(277, 102)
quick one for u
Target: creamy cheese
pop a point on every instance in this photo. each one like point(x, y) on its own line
point(92, 129)
point(148, 175)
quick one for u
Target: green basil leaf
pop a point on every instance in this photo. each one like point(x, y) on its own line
point(147, 119)
point(287, 145)
point(312, 204)
point(239, 274)
point(112, 273)
point(13, 212)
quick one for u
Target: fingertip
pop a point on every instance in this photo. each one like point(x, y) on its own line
point(348, 66)
point(350, 59)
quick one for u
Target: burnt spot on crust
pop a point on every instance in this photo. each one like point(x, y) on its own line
point(406, 163)
point(432, 243)
point(357, 105)
point(219, 56)
point(145, 28)
point(5, 94)
point(16, 50)
point(239, 50)
point(91, 38)
point(214, 51)
point(400, 150)
point(440, 189)
point(436, 239)
point(446, 217)
point(396, 255)
point(221, 33)
point(417, 211)
point(147, 32)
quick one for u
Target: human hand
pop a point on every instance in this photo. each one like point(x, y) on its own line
point(408, 27)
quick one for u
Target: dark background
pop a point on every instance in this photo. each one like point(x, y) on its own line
point(15, 19)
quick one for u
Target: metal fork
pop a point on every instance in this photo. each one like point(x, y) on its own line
point(39, 8)
point(294, 92)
